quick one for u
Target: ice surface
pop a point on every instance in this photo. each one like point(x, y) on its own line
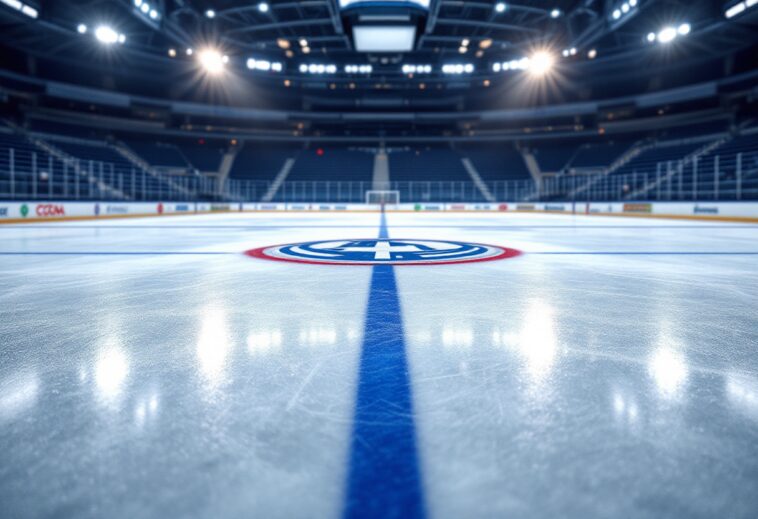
point(205, 383)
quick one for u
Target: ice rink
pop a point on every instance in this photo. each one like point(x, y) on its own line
point(151, 369)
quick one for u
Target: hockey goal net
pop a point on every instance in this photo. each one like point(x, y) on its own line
point(383, 197)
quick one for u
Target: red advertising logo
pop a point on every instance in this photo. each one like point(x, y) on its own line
point(50, 210)
point(160, 208)
point(502, 207)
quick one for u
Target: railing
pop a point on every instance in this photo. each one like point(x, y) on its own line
point(355, 191)
point(26, 174)
point(710, 177)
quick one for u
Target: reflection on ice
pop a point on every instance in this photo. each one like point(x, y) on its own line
point(213, 343)
point(318, 335)
point(18, 394)
point(625, 407)
point(111, 371)
point(742, 391)
point(668, 368)
point(457, 336)
point(536, 342)
point(264, 341)
point(144, 409)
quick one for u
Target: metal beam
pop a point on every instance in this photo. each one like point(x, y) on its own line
point(279, 26)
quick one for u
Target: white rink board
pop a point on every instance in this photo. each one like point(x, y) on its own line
point(50, 209)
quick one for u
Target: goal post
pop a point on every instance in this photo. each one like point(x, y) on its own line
point(376, 197)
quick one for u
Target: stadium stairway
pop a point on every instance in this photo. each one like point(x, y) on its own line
point(279, 180)
point(477, 178)
point(381, 173)
point(225, 167)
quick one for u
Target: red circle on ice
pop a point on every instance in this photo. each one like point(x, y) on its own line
point(383, 251)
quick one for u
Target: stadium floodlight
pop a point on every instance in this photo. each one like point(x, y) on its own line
point(651, 37)
point(153, 14)
point(500, 7)
point(359, 69)
point(258, 64)
point(318, 68)
point(210, 13)
point(29, 11)
point(145, 8)
point(540, 63)
point(625, 8)
point(106, 35)
point(416, 69)
point(740, 8)
point(212, 61)
point(263, 7)
point(303, 42)
point(121, 38)
point(137, 3)
point(190, 52)
point(14, 4)
point(555, 13)
point(172, 53)
point(592, 53)
point(633, 3)
point(684, 29)
point(458, 68)
point(616, 14)
point(735, 10)
point(264, 65)
point(667, 35)
point(81, 28)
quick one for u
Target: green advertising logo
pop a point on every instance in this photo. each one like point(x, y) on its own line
point(24, 210)
point(417, 207)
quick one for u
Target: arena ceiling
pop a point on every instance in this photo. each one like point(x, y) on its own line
point(439, 50)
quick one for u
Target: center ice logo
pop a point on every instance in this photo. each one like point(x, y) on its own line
point(383, 251)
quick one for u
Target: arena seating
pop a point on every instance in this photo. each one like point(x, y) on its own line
point(554, 158)
point(496, 162)
point(724, 159)
point(338, 173)
point(202, 157)
point(258, 161)
point(159, 154)
point(647, 162)
point(333, 163)
point(412, 172)
point(600, 155)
